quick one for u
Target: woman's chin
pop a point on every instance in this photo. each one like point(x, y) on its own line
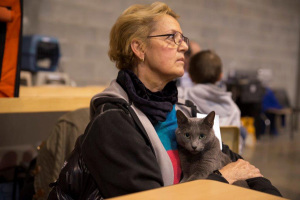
point(180, 72)
point(178, 75)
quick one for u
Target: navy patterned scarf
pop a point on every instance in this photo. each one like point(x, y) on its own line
point(155, 105)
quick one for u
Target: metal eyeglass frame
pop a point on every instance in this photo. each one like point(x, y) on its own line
point(182, 38)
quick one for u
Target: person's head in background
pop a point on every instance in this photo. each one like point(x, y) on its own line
point(205, 67)
point(194, 48)
point(148, 40)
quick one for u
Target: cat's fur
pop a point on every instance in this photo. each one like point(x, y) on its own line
point(198, 147)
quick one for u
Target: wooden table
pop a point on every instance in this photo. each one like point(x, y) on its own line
point(200, 189)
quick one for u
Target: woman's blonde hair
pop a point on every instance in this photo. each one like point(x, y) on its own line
point(136, 22)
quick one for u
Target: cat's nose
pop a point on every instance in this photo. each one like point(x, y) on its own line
point(194, 147)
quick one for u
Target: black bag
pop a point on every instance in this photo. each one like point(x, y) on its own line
point(75, 181)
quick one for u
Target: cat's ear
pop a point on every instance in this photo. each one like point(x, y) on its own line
point(181, 118)
point(209, 119)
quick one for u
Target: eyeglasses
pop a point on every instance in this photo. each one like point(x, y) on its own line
point(177, 37)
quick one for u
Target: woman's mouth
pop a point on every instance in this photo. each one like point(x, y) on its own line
point(181, 60)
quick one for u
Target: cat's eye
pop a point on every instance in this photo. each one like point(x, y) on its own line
point(187, 135)
point(201, 136)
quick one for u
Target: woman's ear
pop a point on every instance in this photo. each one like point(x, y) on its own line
point(138, 49)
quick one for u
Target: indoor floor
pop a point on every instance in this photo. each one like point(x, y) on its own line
point(278, 159)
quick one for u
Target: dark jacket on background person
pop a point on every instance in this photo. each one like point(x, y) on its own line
point(86, 174)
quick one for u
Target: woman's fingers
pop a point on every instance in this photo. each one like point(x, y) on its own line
point(239, 170)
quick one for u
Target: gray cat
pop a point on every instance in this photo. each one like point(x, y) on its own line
point(199, 148)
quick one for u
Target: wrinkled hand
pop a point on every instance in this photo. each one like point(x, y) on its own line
point(239, 170)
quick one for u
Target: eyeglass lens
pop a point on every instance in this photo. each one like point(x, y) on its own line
point(178, 38)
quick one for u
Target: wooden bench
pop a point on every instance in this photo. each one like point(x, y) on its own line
point(49, 99)
point(29, 119)
point(60, 91)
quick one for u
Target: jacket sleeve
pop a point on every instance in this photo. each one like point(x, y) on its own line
point(118, 156)
point(263, 185)
point(216, 177)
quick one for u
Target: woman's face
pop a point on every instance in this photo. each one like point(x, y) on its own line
point(163, 58)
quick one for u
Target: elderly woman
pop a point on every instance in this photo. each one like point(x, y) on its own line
point(129, 145)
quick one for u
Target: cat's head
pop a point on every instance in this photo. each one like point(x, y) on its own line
point(194, 133)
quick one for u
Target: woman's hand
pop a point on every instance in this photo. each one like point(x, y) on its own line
point(239, 170)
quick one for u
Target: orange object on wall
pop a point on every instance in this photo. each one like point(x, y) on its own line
point(10, 41)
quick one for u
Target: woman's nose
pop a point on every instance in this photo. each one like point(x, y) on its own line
point(183, 46)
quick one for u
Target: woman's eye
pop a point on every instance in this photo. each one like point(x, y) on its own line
point(187, 135)
point(201, 136)
point(171, 36)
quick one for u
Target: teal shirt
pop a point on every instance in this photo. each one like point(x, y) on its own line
point(166, 133)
